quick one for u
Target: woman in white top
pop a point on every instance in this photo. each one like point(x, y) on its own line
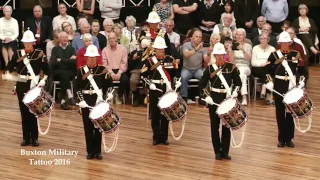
point(242, 57)
point(259, 62)
point(108, 26)
point(9, 32)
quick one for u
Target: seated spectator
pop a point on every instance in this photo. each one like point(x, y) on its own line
point(188, 36)
point(246, 13)
point(62, 17)
point(267, 29)
point(41, 27)
point(130, 30)
point(52, 43)
point(121, 39)
point(80, 21)
point(214, 39)
point(228, 9)
point(81, 59)
point(107, 26)
point(275, 13)
point(86, 9)
point(226, 24)
point(306, 29)
point(77, 41)
point(173, 36)
point(193, 54)
point(183, 16)
point(285, 25)
point(164, 10)
point(115, 59)
point(95, 29)
point(66, 27)
point(228, 46)
point(63, 65)
point(134, 66)
point(9, 32)
point(208, 15)
point(257, 31)
point(246, 40)
point(110, 9)
point(242, 57)
point(259, 62)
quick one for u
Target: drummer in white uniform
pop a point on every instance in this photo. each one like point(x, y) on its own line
point(89, 95)
point(220, 74)
point(160, 71)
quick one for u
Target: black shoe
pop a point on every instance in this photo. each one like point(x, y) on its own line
point(98, 156)
point(72, 101)
point(290, 143)
point(226, 156)
point(136, 103)
point(218, 157)
point(64, 106)
point(25, 143)
point(155, 142)
point(35, 142)
point(90, 156)
point(166, 142)
point(281, 144)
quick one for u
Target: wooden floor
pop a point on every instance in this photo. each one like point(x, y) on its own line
point(135, 158)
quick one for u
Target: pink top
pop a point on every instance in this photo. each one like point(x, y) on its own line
point(115, 59)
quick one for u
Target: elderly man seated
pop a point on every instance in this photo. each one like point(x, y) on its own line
point(63, 64)
point(193, 55)
point(225, 25)
point(77, 41)
point(115, 59)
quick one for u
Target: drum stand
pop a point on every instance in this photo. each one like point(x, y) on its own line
point(115, 141)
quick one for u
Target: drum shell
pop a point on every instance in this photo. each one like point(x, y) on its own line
point(42, 105)
point(302, 108)
point(177, 111)
point(107, 123)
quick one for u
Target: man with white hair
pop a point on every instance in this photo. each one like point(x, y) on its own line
point(284, 64)
point(173, 36)
point(41, 26)
point(225, 25)
point(63, 65)
point(77, 41)
point(257, 31)
point(62, 17)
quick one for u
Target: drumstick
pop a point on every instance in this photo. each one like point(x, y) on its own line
point(276, 92)
point(213, 102)
point(108, 97)
point(86, 106)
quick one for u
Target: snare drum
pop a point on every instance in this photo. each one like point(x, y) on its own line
point(39, 102)
point(298, 102)
point(232, 113)
point(104, 117)
point(172, 106)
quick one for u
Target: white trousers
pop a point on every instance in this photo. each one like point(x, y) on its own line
point(244, 73)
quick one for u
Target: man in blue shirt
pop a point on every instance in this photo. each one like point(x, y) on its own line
point(77, 42)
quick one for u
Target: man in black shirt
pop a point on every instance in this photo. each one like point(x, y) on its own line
point(246, 12)
point(183, 10)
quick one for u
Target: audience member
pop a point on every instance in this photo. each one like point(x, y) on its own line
point(77, 41)
point(285, 25)
point(81, 58)
point(63, 65)
point(107, 27)
point(246, 13)
point(173, 36)
point(275, 12)
point(62, 17)
point(130, 30)
point(95, 29)
point(41, 27)
point(225, 25)
point(242, 57)
point(86, 9)
point(9, 32)
point(164, 10)
point(208, 15)
point(183, 10)
point(110, 9)
point(228, 9)
point(214, 39)
point(115, 59)
point(66, 27)
point(51, 44)
point(267, 29)
point(121, 39)
point(257, 31)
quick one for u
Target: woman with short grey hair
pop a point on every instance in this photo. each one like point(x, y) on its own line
point(130, 30)
point(108, 26)
point(9, 32)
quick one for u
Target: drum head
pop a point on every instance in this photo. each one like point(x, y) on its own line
point(226, 106)
point(32, 95)
point(293, 95)
point(99, 110)
point(167, 100)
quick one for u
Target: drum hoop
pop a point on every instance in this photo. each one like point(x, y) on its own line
point(41, 91)
point(237, 127)
point(302, 116)
point(179, 119)
point(50, 109)
point(164, 95)
point(104, 115)
point(236, 105)
point(95, 121)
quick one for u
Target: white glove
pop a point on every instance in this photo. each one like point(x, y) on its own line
point(269, 85)
point(209, 100)
point(83, 104)
point(42, 83)
point(234, 94)
point(26, 61)
point(301, 84)
point(152, 87)
point(7, 76)
point(178, 84)
point(109, 96)
point(145, 43)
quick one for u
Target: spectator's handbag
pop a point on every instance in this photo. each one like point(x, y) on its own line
point(106, 119)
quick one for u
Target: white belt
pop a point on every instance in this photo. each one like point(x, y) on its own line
point(218, 90)
point(157, 81)
point(26, 77)
point(90, 91)
point(285, 78)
